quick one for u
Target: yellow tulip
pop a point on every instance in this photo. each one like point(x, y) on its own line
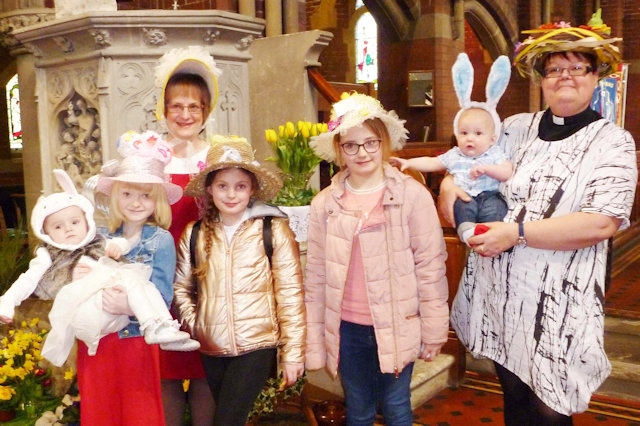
point(281, 131)
point(291, 130)
point(271, 136)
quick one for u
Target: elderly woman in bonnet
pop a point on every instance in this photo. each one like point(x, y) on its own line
point(532, 294)
point(188, 82)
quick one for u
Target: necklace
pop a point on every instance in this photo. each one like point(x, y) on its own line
point(370, 190)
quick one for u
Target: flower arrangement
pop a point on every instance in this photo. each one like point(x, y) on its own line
point(24, 384)
point(296, 160)
point(273, 393)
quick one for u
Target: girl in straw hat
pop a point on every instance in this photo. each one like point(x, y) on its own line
point(375, 284)
point(240, 304)
point(188, 82)
point(531, 297)
point(120, 385)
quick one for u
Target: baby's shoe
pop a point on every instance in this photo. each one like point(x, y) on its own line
point(181, 346)
point(164, 332)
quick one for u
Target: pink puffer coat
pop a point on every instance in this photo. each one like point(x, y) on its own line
point(404, 262)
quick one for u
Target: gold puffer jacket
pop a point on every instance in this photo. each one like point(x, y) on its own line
point(243, 304)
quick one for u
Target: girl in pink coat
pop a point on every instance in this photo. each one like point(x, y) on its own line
point(375, 287)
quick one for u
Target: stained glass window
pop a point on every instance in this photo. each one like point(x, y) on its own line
point(13, 107)
point(366, 48)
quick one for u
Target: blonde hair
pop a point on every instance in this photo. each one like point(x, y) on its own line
point(161, 215)
point(378, 127)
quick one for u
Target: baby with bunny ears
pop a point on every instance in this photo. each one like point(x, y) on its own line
point(64, 223)
point(477, 164)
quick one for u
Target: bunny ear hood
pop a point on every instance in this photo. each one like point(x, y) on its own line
point(497, 82)
point(49, 204)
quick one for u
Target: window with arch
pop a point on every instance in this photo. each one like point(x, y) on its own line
point(13, 109)
point(366, 38)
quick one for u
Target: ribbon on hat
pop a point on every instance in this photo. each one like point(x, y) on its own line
point(232, 154)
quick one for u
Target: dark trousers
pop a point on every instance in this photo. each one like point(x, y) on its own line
point(521, 405)
point(235, 383)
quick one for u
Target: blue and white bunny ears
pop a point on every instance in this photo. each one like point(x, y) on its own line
point(462, 72)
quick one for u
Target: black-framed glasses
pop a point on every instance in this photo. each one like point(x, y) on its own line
point(352, 148)
point(577, 70)
point(178, 108)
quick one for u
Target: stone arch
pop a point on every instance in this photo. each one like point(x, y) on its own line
point(495, 24)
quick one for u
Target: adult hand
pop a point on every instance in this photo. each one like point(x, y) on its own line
point(499, 237)
point(290, 372)
point(115, 301)
point(430, 351)
point(449, 193)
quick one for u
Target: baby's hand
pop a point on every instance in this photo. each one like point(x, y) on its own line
point(113, 250)
point(5, 319)
point(81, 270)
point(476, 172)
point(401, 163)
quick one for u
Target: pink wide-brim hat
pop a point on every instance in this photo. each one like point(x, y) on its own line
point(137, 169)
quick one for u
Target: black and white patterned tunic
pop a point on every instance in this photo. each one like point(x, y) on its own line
point(539, 313)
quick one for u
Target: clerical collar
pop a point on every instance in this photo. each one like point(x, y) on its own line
point(553, 128)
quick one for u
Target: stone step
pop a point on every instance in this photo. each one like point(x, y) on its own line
point(622, 344)
point(427, 380)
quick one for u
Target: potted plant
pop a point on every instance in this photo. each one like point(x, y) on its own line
point(297, 162)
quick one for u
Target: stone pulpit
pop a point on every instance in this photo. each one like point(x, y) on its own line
point(94, 80)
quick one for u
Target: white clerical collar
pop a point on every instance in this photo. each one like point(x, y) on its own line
point(558, 120)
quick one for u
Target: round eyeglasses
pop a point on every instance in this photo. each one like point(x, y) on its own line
point(370, 146)
point(577, 70)
point(178, 109)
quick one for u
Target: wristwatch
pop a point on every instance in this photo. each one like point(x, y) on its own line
point(522, 241)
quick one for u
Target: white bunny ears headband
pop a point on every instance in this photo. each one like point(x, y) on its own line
point(462, 72)
point(49, 204)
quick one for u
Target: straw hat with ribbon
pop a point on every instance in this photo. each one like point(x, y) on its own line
point(145, 157)
point(234, 151)
point(593, 38)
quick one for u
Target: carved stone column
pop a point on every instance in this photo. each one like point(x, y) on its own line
point(95, 80)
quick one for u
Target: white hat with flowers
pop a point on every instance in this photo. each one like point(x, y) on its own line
point(351, 111)
point(145, 157)
point(234, 151)
point(188, 60)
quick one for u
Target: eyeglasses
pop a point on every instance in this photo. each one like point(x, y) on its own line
point(352, 148)
point(178, 109)
point(577, 70)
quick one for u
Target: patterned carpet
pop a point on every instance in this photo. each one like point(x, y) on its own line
point(477, 402)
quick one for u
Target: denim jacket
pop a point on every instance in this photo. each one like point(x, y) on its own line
point(156, 248)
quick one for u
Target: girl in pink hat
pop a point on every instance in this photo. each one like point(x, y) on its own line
point(120, 384)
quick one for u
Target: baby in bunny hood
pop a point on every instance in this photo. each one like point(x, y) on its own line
point(477, 164)
point(65, 225)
